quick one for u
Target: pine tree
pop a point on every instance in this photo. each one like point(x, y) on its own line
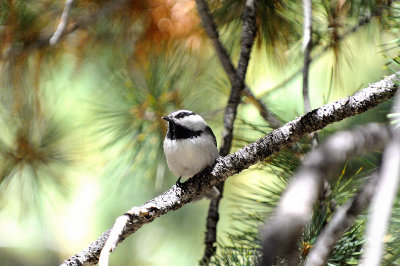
point(85, 84)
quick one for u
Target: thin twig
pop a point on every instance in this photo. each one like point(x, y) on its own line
point(364, 21)
point(236, 78)
point(211, 29)
point(307, 47)
point(382, 202)
point(251, 154)
point(284, 228)
point(113, 238)
point(265, 113)
point(343, 218)
point(212, 32)
point(63, 23)
point(80, 24)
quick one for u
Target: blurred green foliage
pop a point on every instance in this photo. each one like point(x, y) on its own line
point(81, 128)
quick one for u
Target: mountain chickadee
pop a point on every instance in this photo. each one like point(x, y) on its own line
point(189, 146)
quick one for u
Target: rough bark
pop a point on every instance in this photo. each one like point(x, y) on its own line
point(236, 78)
point(249, 30)
point(211, 227)
point(249, 155)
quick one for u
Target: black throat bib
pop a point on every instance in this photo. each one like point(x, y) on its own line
point(176, 132)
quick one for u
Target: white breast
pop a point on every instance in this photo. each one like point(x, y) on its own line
point(187, 157)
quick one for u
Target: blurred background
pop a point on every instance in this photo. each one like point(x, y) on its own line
point(80, 121)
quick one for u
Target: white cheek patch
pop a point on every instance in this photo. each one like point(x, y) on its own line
point(193, 122)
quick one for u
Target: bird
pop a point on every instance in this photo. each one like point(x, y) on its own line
point(189, 146)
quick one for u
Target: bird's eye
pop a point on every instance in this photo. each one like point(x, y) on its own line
point(183, 114)
point(180, 115)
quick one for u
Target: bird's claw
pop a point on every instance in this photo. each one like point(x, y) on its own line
point(178, 182)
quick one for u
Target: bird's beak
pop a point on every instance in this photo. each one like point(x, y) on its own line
point(166, 118)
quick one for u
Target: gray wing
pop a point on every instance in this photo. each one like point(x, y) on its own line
point(209, 131)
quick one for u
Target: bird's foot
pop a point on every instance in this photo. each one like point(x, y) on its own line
point(178, 182)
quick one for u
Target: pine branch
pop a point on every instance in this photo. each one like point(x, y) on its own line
point(80, 24)
point(236, 77)
point(229, 165)
point(212, 32)
point(211, 29)
point(343, 218)
point(249, 30)
point(383, 199)
point(347, 214)
point(265, 113)
point(362, 22)
point(211, 227)
point(282, 232)
point(63, 23)
point(307, 47)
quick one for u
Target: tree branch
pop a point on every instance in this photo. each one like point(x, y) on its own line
point(265, 113)
point(236, 78)
point(63, 23)
point(211, 227)
point(362, 22)
point(343, 218)
point(383, 199)
point(249, 29)
point(80, 24)
point(251, 154)
point(307, 47)
point(282, 232)
point(212, 32)
point(346, 215)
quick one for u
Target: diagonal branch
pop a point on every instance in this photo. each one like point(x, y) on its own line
point(307, 47)
point(282, 232)
point(63, 23)
point(383, 199)
point(265, 113)
point(236, 78)
point(343, 218)
point(346, 215)
point(251, 154)
point(212, 32)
